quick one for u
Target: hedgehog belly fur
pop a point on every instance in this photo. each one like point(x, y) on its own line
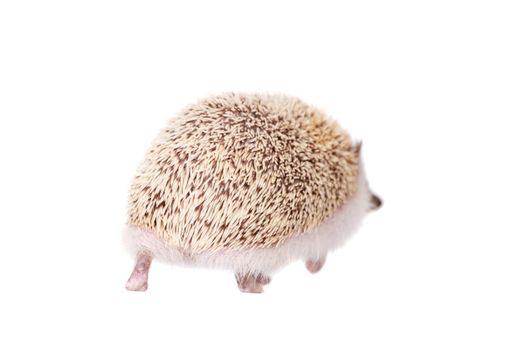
point(329, 235)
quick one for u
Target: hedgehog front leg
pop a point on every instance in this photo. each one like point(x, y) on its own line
point(315, 265)
point(138, 281)
point(251, 283)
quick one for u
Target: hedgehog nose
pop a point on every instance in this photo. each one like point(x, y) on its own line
point(376, 202)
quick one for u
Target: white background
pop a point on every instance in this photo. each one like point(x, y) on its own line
point(435, 89)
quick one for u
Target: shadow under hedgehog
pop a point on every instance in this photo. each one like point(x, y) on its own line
point(247, 183)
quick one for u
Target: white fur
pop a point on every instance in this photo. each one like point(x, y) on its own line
point(330, 235)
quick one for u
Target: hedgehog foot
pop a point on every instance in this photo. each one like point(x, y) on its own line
point(138, 281)
point(316, 265)
point(251, 283)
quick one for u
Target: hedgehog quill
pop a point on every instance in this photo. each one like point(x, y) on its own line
point(247, 183)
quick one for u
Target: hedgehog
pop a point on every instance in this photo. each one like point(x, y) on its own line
point(248, 183)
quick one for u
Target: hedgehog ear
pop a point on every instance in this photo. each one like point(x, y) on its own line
point(358, 147)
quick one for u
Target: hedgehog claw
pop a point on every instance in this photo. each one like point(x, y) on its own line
point(138, 281)
point(315, 266)
point(249, 283)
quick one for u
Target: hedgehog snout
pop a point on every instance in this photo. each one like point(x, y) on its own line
point(375, 202)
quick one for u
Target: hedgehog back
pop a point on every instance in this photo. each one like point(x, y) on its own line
point(242, 171)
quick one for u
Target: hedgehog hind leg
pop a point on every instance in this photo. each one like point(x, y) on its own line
point(138, 281)
point(251, 282)
point(315, 265)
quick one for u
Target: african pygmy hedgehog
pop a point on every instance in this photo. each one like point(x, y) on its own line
point(247, 183)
